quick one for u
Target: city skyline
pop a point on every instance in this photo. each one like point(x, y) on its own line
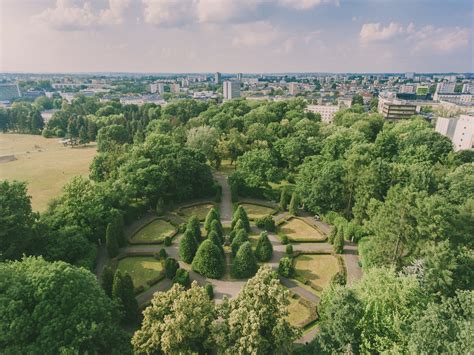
point(255, 36)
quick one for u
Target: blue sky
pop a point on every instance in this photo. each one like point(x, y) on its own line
point(236, 35)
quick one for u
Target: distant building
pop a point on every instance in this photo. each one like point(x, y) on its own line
point(407, 89)
point(422, 90)
point(217, 78)
point(326, 112)
point(160, 88)
point(445, 87)
point(465, 99)
point(175, 88)
point(231, 90)
point(293, 88)
point(344, 102)
point(410, 76)
point(153, 88)
point(459, 130)
point(467, 89)
point(239, 76)
point(395, 109)
point(9, 92)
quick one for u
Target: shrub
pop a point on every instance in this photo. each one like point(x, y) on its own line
point(168, 241)
point(162, 253)
point(216, 226)
point(289, 250)
point(209, 261)
point(264, 250)
point(241, 214)
point(111, 241)
point(332, 235)
point(234, 192)
point(240, 238)
point(245, 262)
point(188, 247)
point(160, 207)
point(339, 241)
point(171, 266)
point(283, 200)
point(182, 228)
point(210, 291)
point(284, 238)
point(107, 280)
point(238, 225)
point(123, 292)
point(266, 222)
point(285, 267)
point(195, 227)
point(293, 209)
point(182, 278)
point(47, 133)
point(212, 215)
point(213, 237)
point(339, 278)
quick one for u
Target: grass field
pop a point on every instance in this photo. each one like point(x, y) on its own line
point(299, 313)
point(44, 163)
point(317, 269)
point(141, 269)
point(297, 230)
point(154, 232)
point(256, 211)
point(200, 211)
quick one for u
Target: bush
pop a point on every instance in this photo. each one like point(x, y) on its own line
point(216, 226)
point(47, 133)
point(195, 227)
point(339, 278)
point(283, 199)
point(332, 235)
point(111, 241)
point(234, 192)
point(162, 253)
point(168, 241)
point(264, 249)
point(138, 290)
point(160, 207)
point(339, 241)
point(209, 261)
point(285, 267)
point(182, 278)
point(107, 280)
point(171, 266)
point(212, 215)
point(210, 291)
point(238, 225)
point(284, 238)
point(245, 262)
point(213, 237)
point(266, 222)
point(240, 238)
point(241, 214)
point(188, 247)
point(289, 250)
point(293, 209)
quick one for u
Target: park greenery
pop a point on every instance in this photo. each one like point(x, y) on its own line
point(396, 188)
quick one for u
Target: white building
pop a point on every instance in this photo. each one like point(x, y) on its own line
point(326, 112)
point(231, 90)
point(160, 88)
point(217, 78)
point(445, 87)
point(464, 99)
point(293, 88)
point(459, 130)
point(153, 88)
point(467, 88)
point(407, 89)
point(410, 75)
point(175, 88)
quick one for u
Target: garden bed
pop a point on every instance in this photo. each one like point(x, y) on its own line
point(297, 230)
point(199, 210)
point(255, 211)
point(144, 270)
point(317, 270)
point(301, 312)
point(154, 232)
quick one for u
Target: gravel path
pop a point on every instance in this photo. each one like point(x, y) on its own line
point(226, 198)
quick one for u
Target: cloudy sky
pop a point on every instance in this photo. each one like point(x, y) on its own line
point(236, 35)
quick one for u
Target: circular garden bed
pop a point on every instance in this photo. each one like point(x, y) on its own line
point(297, 230)
point(153, 232)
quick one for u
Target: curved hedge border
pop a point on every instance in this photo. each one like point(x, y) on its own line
point(313, 316)
point(171, 235)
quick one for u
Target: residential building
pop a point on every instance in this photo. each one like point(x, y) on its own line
point(326, 111)
point(410, 76)
point(9, 92)
point(239, 76)
point(445, 87)
point(160, 88)
point(467, 89)
point(175, 88)
point(217, 78)
point(231, 90)
point(454, 98)
point(395, 109)
point(153, 88)
point(459, 129)
point(293, 88)
point(407, 89)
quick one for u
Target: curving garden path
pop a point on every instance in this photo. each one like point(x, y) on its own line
point(231, 288)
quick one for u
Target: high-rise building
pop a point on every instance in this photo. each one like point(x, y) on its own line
point(410, 76)
point(175, 88)
point(395, 109)
point(459, 130)
point(467, 88)
point(231, 90)
point(407, 89)
point(160, 88)
point(239, 76)
point(153, 88)
point(217, 78)
point(293, 88)
point(445, 87)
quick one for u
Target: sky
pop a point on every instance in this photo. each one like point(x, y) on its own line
point(231, 36)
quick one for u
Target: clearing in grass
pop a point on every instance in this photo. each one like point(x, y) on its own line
point(154, 232)
point(141, 269)
point(300, 314)
point(316, 270)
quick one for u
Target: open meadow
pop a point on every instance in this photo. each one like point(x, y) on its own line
point(45, 164)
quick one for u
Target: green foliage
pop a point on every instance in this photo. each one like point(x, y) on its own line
point(266, 222)
point(240, 238)
point(245, 263)
point(111, 241)
point(283, 238)
point(182, 277)
point(264, 249)
point(285, 267)
point(162, 253)
point(212, 215)
point(293, 209)
point(209, 261)
point(241, 214)
point(42, 302)
point(123, 292)
point(284, 198)
point(289, 250)
point(177, 322)
point(107, 280)
point(216, 227)
point(188, 247)
point(234, 193)
point(339, 241)
point(258, 167)
point(210, 291)
point(168, 241)
point(171, 266)
point(160, 207)
point(332, 234)
point(339, 278)
point(195, 227)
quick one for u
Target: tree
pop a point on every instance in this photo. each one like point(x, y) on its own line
point(195, 227)
point(339, 241)
point(205, 139)
point(43, 301)
point(177, 322)
point(266, 222)
point(182, 278)
point(188, 247)
point(293, 204)
point(245, 262)
point(160, 207)
point(213, 237)
point(212, 215)
point(241, 214)
point(107, 280)
point(123, 292)
point(264, 250)
point(285, 267)
point(111, 241)
point(283, 200)
point(83, 136)
point(171, 266)
point(357, 100)
point(263, 304)
point(258, 167)
point(240, 238)
point(112, 135)
point(216, 227)
point(209, 261)
point(210, 291)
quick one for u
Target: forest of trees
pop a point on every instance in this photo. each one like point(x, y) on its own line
point(397, 189)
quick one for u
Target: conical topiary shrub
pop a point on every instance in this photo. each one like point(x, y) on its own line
point(240, 238)
point(212, 215)
point(245, 262)
point(209, 261)
point(242, 215)
point(195, 227)
point(264, 250)
point(188, 247)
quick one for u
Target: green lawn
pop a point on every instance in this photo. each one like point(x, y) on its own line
point(256, 211)
point(316, 269)
point(300, 231)
point(141, 269)
point(154, 232)
point(200, 211)
point(299, 313)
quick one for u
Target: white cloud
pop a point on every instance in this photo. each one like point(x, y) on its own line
point(373, 32)
point(306, 4)
point(70, 15)
point(439, 40)
point(217, 11)
point(169, 13)
point(259, 33)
